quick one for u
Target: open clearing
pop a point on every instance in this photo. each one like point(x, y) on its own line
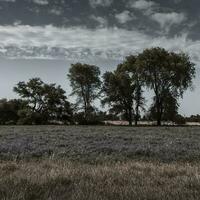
point(103, 163)
point(89, 143)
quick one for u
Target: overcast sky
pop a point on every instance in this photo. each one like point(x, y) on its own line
point(43, 37)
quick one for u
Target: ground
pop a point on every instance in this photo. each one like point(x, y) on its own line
point(99, 162)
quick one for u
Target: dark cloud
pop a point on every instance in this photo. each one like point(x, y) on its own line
point(78, 12)
point(28, 25)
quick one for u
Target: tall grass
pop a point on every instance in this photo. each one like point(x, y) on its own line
point(62, 180)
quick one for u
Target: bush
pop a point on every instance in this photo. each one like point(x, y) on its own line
point(93, 119)
point(180, 120)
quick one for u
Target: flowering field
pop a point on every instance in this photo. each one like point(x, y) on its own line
point(93, 143)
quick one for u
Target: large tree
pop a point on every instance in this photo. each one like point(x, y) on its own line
point(45, 101)
point(165, 73)
point(129, 67)
point(86, 84)
point(123, 90)
point(119, 93)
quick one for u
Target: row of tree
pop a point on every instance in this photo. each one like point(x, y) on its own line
point(167, 74)
point(40, 103)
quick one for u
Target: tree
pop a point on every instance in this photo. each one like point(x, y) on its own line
point(118, 92)
point(123, 90)
point(45, 102)
point(55, 103)
point(85, 83)
point(170, 109)
point(33, 92)
point(130, 67)
point(9, 110)
point(165, 73)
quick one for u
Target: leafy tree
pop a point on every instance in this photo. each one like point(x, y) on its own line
point(123, 90)
point(130, 67)
point(9, 110)
point(170, 109)
point(55, 103)
point(180, 120)
point(33, 92)
point(165, 73)
point(119, 93)
point(46, 102)
point(85, 83)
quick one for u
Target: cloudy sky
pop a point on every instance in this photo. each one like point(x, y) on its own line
point(43, 37)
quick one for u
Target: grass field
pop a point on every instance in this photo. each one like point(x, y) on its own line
point(103, 163)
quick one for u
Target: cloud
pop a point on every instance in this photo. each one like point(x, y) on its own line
point(12, 1)
point(101, 20)
point(52, 42)
point(56, 11)
point(124, 17)
point(41, 2)
point(143, 5)
point(103, 3)
point(166, 20)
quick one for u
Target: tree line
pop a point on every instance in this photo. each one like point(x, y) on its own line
point(166, 74)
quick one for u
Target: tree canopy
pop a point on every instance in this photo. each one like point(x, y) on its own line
point(9, 110)
point(123, 90)
point(85, 82)
point(165, 73)
point(45, 102)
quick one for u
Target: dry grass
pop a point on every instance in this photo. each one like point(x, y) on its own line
point(99, 163)
point(61, 180)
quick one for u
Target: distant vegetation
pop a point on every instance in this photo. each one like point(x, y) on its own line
point(167, 74)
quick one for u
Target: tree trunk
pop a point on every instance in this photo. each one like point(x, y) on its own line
point(130, 118)
point(159, 112)
point(136, 121)
point(158, 122)
point(84, 102)
point(136, 115)
point(159, 115)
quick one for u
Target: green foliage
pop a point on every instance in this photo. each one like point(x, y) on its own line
point(123, 90)
point(94, 118)
point(85, 83)
point(180, 120)
point(130, 67)
point(170, 109)
point(193, 118)
point(9, 111)
point(45, 103)
point(166, 73)
point(118, 92)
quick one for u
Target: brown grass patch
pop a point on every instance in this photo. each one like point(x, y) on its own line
point(61, 180)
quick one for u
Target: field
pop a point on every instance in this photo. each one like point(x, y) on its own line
point(103, 163)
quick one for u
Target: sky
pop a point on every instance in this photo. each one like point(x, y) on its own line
point(42, 38)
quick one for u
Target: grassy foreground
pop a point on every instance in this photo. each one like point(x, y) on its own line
point(61, 180)
point(99, 163)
